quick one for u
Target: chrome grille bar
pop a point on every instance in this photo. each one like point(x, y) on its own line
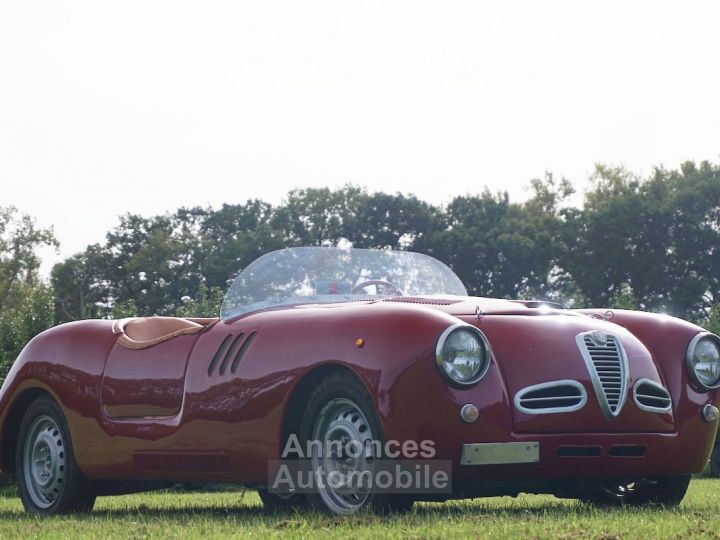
point(608, 367)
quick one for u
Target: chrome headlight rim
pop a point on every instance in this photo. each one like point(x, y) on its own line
point(484, 345)
point(690, 364)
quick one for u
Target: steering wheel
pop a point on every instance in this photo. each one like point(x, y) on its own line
point(390, 288)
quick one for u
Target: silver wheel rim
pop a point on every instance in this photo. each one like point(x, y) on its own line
point(342, 420)
point(44, 461)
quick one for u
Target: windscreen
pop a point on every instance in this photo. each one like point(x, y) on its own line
point(315, 275)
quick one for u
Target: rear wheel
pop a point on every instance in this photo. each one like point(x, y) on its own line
point(341, 412)
point(658, 491)
point(49, 479)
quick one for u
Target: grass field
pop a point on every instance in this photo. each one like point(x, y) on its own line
point(239, 514)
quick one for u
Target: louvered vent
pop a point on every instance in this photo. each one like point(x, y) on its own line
point(231, 352)
point(551, 397)
point(607, 364)
point(651, 396)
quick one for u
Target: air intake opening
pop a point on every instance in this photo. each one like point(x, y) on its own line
point(578, 451)
point(551, 397)
point(651, 396)
point(628, 450)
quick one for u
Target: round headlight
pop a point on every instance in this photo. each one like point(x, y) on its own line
point(703, 360)
point(462, 355)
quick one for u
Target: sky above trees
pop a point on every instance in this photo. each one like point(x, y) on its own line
point(146, 107)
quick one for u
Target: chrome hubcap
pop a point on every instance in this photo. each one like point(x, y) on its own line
point(344, 432)
point(44, 461)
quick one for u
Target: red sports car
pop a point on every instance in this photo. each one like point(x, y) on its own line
point(342, 363)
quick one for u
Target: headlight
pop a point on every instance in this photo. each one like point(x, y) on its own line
point(462, 355)
point(703, 360)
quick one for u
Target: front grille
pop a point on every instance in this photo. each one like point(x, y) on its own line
point(651, 396)
point(607, 364)
point(551, 397)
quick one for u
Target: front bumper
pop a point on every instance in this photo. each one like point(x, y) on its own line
point(592, 455)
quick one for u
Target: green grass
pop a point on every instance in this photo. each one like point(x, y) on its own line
point(239, 514)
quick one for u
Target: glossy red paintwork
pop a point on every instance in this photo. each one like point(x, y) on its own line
point(157, 413)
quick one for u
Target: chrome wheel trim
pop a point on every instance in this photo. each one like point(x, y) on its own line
point(342, 420)
point(44, 461)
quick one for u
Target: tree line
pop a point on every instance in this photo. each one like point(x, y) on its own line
point(649, 243)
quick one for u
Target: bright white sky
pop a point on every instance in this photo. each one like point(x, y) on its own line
point(145, 106)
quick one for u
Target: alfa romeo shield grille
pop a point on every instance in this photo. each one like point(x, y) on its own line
point(608, 367)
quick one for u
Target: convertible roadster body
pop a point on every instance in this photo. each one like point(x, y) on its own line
point(356, 346)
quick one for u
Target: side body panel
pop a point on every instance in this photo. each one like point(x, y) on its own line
point(146, 382)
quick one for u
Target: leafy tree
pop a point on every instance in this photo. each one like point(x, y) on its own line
point(26, 306)
point(234, 236)
point(712, 324)
point(78, 285)
point(653, 243)
point(206, 303)
point(692, 281)
point(504, 249)
point(20, 238)
point(34, 313)
point(619, 238)
point(392, 222)
point(317, 216)
point(624, 298)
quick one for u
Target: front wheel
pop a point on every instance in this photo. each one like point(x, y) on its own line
point(49, 479)
point(340, 415)
point(657, 491)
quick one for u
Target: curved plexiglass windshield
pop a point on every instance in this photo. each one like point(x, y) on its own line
point(312, 275)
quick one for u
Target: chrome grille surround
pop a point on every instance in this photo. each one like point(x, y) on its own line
point(607, 364)
point(551, 397)
point(651, 396)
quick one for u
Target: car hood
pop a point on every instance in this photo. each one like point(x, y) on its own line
point(469, 305)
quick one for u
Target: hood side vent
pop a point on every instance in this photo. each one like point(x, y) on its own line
point(218, 354)
point(231, 350)
point(551, 397)
point(651, 396)
point(242, 351)
point(608, 366)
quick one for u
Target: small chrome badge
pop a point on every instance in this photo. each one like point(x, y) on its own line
point(600, 337)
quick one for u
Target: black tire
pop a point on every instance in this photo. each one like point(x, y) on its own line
point(343, 386)
point(274, 503)
point(49, 479)
point(715, 460)
point(665, 491)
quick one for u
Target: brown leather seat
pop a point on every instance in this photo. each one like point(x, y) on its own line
point(142, 332)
